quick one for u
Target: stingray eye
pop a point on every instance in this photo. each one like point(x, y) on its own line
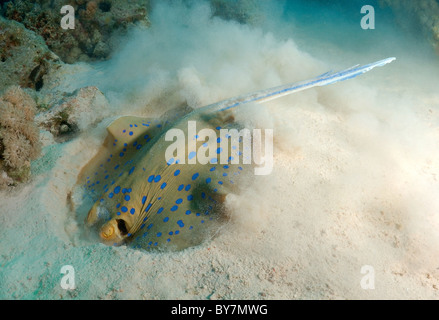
point(107, 231)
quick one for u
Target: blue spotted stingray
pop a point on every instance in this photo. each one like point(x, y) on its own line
point(144, 200)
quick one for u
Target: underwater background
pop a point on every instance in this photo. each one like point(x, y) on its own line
point(356, 164)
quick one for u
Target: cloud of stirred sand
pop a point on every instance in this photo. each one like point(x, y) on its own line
point(356, 164)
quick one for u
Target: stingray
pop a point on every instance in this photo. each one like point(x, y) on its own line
point(153, 191)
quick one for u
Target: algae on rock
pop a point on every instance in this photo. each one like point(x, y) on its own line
point(19, 136)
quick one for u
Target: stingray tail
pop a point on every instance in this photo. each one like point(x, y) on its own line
point(280, 91)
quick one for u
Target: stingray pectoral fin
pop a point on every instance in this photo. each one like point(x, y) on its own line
point(126, 137)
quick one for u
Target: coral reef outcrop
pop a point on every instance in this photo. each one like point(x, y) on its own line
point(24, 57)
point(74, 113)
point(97, 22)
point(19, 136)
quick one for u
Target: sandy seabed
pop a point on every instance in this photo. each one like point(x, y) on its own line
point(355, 183)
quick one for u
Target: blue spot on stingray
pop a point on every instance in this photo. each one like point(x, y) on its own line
point(220, 182)
point(160, 210)
point(159, 234)
point(174, 208)
point(146, 137)
point(219, 150)
point(177, 231)
point(150, 226)
point(218, 128)
point(191, 227)
point(190, 197)
point(202, 221)
point(166, 219)
point(240, 168)
point(131, 125)
point(124, 131)
point(205, 144)
point(188, 212)
point(180, 187)
point(163, 185)
point(159, 125)
point(188, 187)
point(142, 226)
point(131, 170)
point(192, 155)
point(116, 167)
point(110, 195)
point(177, 172)
point(218, 140)
point(203, 195)
point(179, 201)
point(198, 214)
point(214, 160)
point(131, 133)
point(224, 174)
point(121, 154)
point(118, 206)
point(180, 223)
point(125, 144)
point(212, 169)
point(143, 199)
point(157, 178)
point(195, 176)
point(117, 190)
point(208, 180)
point(106, 177)
point(171, 233)
point(139, 146)
point(124, 209)
point(135, 143)
point(148, 207)
point(168, 240)
point(151, 178)
point(132, 211)
point(118, 213)
point(127, 198)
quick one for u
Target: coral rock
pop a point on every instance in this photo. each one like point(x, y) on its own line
point(19, 136)
point(76, 112)
point(24, 57)
point(96, 22)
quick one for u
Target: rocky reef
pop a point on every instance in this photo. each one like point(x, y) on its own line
point(19, 136)
point(97, 23)
point(24, 56)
